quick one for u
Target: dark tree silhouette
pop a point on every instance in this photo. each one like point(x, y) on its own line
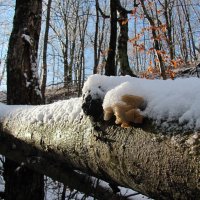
point(23, 88)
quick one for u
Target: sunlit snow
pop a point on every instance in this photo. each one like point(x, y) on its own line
point(27, 38)
point(172, 104)
point(63, 111)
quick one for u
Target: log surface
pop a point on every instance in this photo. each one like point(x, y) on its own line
point(154, 164)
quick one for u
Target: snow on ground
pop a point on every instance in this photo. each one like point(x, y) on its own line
point(172, 104)
point(66, 110)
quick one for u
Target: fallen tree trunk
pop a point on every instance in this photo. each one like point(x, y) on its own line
point(157, 165)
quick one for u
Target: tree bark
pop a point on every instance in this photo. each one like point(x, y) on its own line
point(37, 160)
point(110, 67)
point(23, 88)
point(44, 67)
point(22, 68)
point(21, 182)
point(156, 164)
point(96, 61)
point(123, 40)
point(168, 6)
point(183, 43)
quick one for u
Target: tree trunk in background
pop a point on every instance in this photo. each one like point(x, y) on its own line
point(96, 39)
point(73, 47)
point(65, 43)
point(123, 40)
point(99, 39)
point(110, 68)
point(44, 67)
point(156, 42)
point(168, 6)
point(22, 183)
point(82, 24)
point(183, 43)
point(65, 58)
point(23, 88)
point(122, 44)
point(190, 35)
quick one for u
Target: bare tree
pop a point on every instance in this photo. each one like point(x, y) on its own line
point(110, 67)
point(123, 40)
point(191, 37)
point(44, 66)
point(96, 60)
point(83, 23)
point(157, 46)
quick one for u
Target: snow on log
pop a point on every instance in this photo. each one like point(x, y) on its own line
point(159, 164)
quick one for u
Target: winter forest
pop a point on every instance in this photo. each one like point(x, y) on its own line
point(99, 99)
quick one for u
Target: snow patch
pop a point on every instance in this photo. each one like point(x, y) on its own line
point(66, 110)
point(172, 104)
point(27, 38)
point(98, 85)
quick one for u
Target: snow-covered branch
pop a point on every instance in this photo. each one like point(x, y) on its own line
point(157, 164)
